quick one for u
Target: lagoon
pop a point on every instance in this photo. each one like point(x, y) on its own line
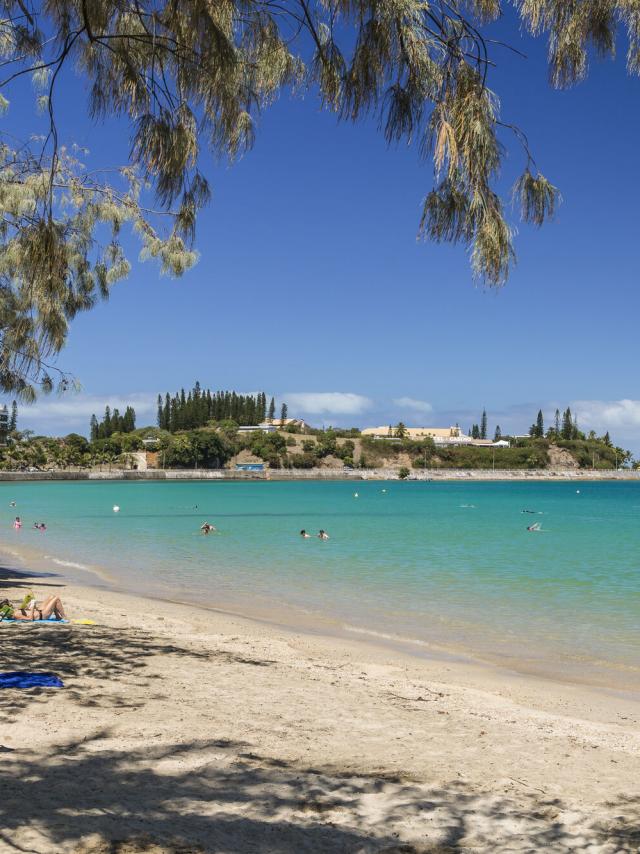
point(445, 568)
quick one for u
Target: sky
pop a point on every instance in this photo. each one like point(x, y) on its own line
point(311, 284)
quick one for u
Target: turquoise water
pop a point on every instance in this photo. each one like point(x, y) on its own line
point(450, 564)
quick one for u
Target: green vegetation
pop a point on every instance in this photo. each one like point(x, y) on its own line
point(200, 407)
point(112, 422)
point(532, 456)
point(217, 443)
point(536, 431)
point(420, 453)
point(182, 73)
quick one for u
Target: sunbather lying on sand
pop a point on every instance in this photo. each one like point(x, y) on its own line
point(51, 605)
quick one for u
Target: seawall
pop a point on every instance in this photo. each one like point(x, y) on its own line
point(325, 474)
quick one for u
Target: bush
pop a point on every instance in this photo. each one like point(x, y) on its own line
point(531, 455)
point(302, 461)
point(403, 473)
point(205, 448)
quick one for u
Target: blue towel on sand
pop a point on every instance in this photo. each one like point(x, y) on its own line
point(22, 679)
point(49, 620)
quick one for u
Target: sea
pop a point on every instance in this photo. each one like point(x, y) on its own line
point(436, 568)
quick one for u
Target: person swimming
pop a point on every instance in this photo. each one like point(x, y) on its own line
point(304, 534)
point(207, 528)
point(535, 528)
point(12, 504)
point(40, 526)
point(322, 535)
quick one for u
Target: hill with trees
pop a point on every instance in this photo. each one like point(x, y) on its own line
point(202, 434)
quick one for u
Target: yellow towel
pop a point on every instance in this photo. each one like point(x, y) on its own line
point(84, 622)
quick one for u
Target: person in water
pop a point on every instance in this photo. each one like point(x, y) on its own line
point(535, 528)
point(323, 534)
point(51, 605)
point(40, 526)
point(304, 534)
point(206, 528)
point(18, 523)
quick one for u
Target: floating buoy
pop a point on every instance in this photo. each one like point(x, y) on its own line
point(116, 509)
point(384, 490)
point(355, 495)
point(577, 492)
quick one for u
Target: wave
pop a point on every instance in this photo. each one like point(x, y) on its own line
point(386, 636)
point(70, 563)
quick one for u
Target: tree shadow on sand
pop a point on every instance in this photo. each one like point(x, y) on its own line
point(219, 796)
point(104, 655)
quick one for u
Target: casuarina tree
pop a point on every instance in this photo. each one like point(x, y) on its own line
point(183, 75)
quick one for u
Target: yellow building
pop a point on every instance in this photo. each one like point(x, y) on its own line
point(440, 435)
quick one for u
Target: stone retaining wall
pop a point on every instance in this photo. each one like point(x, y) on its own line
point(324, 474)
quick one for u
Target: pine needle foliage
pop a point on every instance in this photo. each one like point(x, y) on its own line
point(188, 74)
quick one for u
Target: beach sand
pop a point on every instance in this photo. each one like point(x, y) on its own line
point(183, 730)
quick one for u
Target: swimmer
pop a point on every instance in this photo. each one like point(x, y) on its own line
point(17, 523)
point(40, 526)
point(12, 504)
point(535, 528)
point(304, 535)
point(322, 535)
point(206, 528)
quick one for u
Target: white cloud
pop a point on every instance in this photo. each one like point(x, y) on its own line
point(601, 415)
point(412, 403)
point(326, 403)
point(73, 411)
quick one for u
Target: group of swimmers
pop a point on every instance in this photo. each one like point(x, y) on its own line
point(37, 526)
point(322, 535)
point(208, 528)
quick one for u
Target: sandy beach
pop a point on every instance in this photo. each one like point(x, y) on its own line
point(181, 729)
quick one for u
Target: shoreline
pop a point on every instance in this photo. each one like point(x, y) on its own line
point(605, 677)
point(327, 474)
point(232, 735)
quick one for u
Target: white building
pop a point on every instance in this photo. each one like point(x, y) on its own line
point(259, 428)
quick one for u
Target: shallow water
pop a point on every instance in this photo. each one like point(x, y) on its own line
point(450, 564)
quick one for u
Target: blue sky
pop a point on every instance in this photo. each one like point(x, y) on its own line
point(311, 285)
